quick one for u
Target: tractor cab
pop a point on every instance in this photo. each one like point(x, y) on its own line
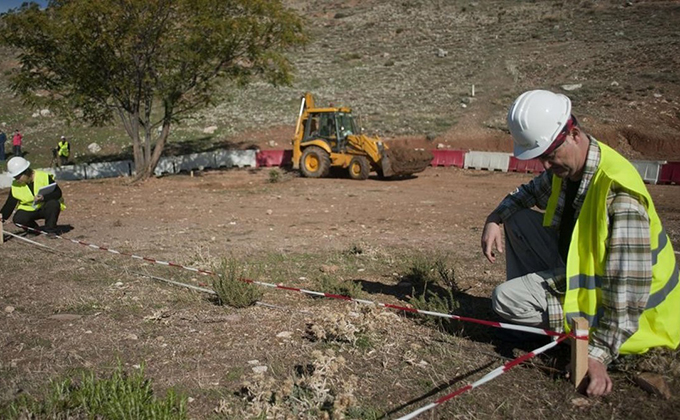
point(332, 127)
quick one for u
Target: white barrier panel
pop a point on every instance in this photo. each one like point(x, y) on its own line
point(238, 158)
point(69, 172)
point(5, 180)
point(109, 169)
point(492, 161)
point(649, 169)
point(166, 165)
point(193, 161)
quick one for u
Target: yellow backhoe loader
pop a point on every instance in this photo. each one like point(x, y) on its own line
point(329, 137)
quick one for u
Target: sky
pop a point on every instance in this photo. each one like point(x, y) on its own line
point(5, 5)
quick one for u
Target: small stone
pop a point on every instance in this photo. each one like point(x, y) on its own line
point(284, 334)
point(654, 384)
point(580, 402)
point(574, 86)
point(259, 369)
point(65, 317)
point(9, 309)
point(270, 211)
point(329, 268)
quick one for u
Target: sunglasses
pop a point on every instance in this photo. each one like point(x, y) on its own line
point(559, 140)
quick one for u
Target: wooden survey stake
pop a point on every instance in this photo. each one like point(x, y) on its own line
point(579, 352)
point(2, 234)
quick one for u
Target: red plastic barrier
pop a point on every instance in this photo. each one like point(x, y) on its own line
point(670, 173)
point(448, 158)
point(268, 158)
point(530, 166)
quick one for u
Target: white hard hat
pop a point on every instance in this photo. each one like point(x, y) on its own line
point(63, 137)
point(17, 165)
point(535, 119)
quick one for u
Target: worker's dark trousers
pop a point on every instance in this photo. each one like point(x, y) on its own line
point(49, 211)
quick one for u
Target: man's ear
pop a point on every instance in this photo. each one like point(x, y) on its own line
point(577, 133)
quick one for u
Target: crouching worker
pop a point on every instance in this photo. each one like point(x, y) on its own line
point(25, 196)
point(599, 251)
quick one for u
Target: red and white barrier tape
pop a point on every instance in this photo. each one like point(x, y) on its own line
point(532, 330)
point(486, 378)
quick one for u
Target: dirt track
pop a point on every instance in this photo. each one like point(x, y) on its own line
point(297, 227)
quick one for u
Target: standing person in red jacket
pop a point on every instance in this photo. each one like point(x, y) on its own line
point(16, 142)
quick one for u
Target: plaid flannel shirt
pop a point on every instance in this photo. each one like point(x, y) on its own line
point(628, 269)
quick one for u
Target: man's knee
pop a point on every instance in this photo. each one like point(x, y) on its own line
point(503, 300)
point(22, 217)
point(52, 206)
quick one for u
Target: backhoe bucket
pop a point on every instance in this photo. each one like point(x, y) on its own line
point(402, 161)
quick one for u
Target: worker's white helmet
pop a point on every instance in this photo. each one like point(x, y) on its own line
point(63, 137)
point(17, 165)
point(535, 120)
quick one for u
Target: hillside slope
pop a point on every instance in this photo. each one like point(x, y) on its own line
point(409, 67)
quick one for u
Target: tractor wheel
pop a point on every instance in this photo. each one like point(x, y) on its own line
point(315, 162)
point(359, 168)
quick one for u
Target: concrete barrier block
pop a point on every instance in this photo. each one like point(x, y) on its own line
point(166, 165)
point(238, 158)
point(195, 161)
point(5, 180)
point(70, 172)
point(492, 161)
point(448, 158)
point(109, 169)
point(267, 158)
point(649, 169)
point(670, 173)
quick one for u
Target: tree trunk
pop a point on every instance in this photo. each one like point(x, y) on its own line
point(158, 148)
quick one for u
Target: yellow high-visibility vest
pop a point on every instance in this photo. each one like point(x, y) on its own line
point(25, 196)
point(63, 148)
point(659, 324)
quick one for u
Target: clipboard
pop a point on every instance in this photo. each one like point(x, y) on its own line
point(44, 191)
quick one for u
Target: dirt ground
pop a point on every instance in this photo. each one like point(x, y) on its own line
point(71, 308)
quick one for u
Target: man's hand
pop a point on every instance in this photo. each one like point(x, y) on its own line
point(39, 198)
point(492, 237)
point(600, 382)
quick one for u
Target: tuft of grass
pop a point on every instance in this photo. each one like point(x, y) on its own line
point(231, 286)
point(434, 288)
point(121, 396)
point(274, 176)
point(337, 286)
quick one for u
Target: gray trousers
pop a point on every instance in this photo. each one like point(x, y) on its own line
point(532, 256)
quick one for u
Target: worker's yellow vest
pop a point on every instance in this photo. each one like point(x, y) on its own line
point(659, 324)
point(63, 148)
point(25, 196)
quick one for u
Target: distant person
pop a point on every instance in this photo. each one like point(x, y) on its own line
point(25, 198)
point(17, 140)
point(3, 139)
point(599, 251)
point(63, 151)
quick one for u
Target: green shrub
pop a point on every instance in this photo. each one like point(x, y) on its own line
point(232, 287)
point(433, 288)
point(121, 396)
point(335, 286)
point(274, 176)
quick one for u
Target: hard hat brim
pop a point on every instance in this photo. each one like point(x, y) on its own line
point(522, 153)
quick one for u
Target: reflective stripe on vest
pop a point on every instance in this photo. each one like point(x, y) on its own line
point(25, 196)
point(659, 324)
point(63, 148)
